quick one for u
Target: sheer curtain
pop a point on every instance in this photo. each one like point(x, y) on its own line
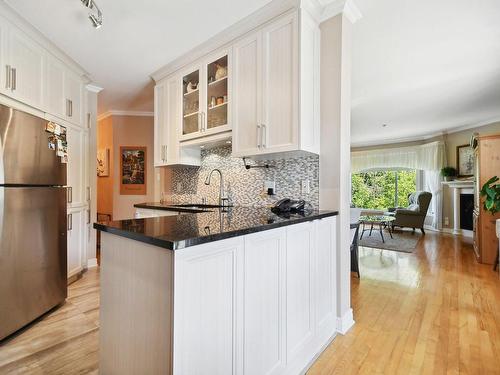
point(432, 180)
point(429, 157)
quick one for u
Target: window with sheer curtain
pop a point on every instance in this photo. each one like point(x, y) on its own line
point(428, 158)
point(383, 188)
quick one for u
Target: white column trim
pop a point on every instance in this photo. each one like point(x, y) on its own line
point(345, 322)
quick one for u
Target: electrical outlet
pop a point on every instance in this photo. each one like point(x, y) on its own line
point(269, 185)
point(446, 221)
point(305, 186)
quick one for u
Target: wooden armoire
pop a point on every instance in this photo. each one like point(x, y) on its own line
point(487, 165)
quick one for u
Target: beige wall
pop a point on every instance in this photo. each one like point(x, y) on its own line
point(105, 184)
point(124, 131)
point(452, 141)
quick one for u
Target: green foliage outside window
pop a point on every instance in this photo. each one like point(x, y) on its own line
point(377, 190)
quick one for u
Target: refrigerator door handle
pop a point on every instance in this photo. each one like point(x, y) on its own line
point(70, 222)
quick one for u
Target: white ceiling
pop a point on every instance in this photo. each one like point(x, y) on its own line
point(137, 38)
point(424, 66)
point(418, 66)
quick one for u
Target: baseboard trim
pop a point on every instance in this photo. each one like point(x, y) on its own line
point(463, 232)
point(345, 322)
point(92, 262)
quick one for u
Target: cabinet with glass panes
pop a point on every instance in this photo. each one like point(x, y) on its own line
point(206, 91)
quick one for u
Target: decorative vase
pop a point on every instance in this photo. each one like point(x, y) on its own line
point(221, 72)
point(191, 86)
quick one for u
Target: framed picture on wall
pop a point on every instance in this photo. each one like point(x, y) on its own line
point(133, 170)
point(103, 162)
point(465, 161)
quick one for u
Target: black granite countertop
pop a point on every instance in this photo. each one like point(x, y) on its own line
point(211, 224)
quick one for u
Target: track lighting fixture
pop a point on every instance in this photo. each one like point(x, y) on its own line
point(95, 14)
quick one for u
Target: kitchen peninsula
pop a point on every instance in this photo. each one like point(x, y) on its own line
point(217, 291)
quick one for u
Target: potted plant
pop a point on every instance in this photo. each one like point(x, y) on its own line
point(491, 191)
point(448, 173)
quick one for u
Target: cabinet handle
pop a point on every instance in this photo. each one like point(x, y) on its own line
point(70, 222)
point(8, 76)
point(258, 137)
point(70, 194)
point(67, 107)
point(165, 157)
point(264, 136)
point(70, 108)
point(204, 122)
point(14, 79)
point(89, 194)
point(88, 216)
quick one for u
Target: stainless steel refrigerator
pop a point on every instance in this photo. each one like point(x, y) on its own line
point(33, 271)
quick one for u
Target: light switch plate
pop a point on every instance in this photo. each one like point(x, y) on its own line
point(269, 185)
point(305, 186)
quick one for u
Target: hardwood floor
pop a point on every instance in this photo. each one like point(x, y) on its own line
point(434, 311)
point(64, 341)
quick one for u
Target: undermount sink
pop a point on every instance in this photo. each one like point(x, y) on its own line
point(200, 206)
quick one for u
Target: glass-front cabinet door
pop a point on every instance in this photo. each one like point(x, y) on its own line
point(206, 97)
point(191, 113)
point(217, 93)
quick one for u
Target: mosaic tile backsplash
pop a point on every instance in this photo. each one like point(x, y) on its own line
point(246, 187)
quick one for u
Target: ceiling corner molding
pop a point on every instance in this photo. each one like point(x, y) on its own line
point(93, 88)
point(124, 113)
point(331, 8)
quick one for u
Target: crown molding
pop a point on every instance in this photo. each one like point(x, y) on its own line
point(15, 19)
point(93, 88)
point(124, 113)
point(333, 8)
point(425, 137)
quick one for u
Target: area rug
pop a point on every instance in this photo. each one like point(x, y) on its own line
point(404, 240)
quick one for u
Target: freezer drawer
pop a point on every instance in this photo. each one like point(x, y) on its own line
point(25, 157)
point(32, 254)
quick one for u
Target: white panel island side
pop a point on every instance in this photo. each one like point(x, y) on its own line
point(245, 292)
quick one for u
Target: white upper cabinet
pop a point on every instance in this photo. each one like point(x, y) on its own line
point(273, 111)
point(168, 121)
point(23, 67)
point(247, 94)
point(267, 99)
point(280, 86)
point(73, 88)
point(206, 90)
point(63, 91)
point(54, 87)
point(32, 75)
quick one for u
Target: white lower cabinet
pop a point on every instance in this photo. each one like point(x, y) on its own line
point(262, 306)
point(263, 303)
point(204, 308)
point(76, 240)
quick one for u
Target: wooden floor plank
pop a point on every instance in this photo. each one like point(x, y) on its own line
point(435, 311)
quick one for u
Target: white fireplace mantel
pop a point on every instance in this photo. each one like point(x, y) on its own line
point(459, 187)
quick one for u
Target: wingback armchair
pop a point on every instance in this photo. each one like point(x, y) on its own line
point(414, 215)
